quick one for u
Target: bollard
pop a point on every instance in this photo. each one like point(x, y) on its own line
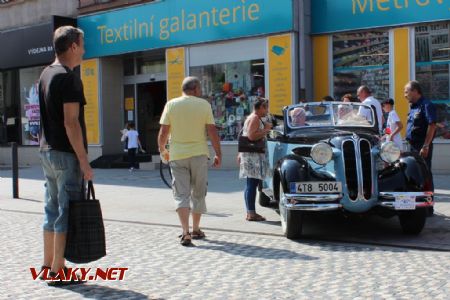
point(15, 170)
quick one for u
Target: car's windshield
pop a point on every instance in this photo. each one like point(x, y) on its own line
point(329, 114)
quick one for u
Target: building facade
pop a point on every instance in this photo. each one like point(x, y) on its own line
point(137, 53)
point(137, 56)
point(384, 44)
point(26, 29)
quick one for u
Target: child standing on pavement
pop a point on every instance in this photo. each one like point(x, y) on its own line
point(133, 144)
point(393, 123)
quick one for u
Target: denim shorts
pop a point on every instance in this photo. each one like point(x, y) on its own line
point(63, 183)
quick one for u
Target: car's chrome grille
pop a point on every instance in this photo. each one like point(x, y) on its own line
point(366, 165)
point(358, 168)
point(350, 169)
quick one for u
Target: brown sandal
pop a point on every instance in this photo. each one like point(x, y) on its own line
point(185, 241)
point(198, 234)
point(255, 218)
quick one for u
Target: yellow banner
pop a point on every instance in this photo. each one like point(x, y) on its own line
point(176, 72)
point(280, 72)
point(89, 76)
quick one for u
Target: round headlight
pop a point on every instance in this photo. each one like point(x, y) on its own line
point(321, 153)
point(389, 152)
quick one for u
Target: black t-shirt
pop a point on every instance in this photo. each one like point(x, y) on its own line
point(59, 85)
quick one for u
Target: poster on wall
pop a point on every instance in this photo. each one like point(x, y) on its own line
point(175, 60)
point(90, 78)
point(280, 72)
point(29, 100)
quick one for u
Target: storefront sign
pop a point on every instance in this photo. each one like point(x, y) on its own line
point(280, 72)
point(179, 22)
point(90, 78)
point(27, 47)
point(332, 15)
point(175, 61)
point(30, 46)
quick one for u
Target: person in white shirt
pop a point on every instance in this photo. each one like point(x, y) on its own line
point(393, 123)
point(133, 144)
point(124, 139)
point(365, 96)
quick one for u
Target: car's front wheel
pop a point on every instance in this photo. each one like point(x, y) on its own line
point(291, 220)
point(413, 221)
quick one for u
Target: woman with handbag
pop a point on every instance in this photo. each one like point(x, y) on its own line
point(252, 155)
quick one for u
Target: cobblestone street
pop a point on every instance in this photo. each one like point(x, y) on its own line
point(226, 265)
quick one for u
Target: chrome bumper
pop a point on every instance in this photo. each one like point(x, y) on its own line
point(313, 207)
point(386, 199)
point(291, 202)
point(314, 197)
point(423, 199)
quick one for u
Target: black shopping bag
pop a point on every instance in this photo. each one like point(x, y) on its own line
point(86, 233)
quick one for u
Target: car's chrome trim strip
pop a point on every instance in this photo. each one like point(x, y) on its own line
point(313, 207)
point(372, 183)
point(390, 204)
point(393, 194)
point(358, 161)
point(314, 197)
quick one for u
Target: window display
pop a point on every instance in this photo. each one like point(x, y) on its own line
point(231, 89)
point(361, 58)
point(29, 99)
point(433, 69)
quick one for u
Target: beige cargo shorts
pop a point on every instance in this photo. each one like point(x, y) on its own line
point(189, 182)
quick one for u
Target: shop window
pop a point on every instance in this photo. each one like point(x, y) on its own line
point(433, 69)
point(231, 89)
point(29, 105)
point(361, 58)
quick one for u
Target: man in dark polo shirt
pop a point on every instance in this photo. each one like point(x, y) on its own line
point(421, 124)
point(63, 145)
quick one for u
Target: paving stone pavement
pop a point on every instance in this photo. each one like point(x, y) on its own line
point(141, 196)
point(227, 265)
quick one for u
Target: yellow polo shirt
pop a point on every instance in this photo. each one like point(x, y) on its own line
point(187, 117)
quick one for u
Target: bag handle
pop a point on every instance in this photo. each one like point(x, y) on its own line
point(91, 191)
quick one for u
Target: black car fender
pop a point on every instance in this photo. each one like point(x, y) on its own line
point(410, 173)
point(292, 168)
point(295, 168)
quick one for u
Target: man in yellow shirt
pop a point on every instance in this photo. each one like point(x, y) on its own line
point(187, 120)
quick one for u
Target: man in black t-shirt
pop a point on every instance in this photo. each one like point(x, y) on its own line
point(63, 145)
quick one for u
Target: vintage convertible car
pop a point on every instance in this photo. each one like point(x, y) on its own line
point(334, 159)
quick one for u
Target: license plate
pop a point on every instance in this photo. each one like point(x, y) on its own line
point(315, 187)
point(405, 202)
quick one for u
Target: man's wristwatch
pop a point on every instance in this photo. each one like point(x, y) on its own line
point(425, 146)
